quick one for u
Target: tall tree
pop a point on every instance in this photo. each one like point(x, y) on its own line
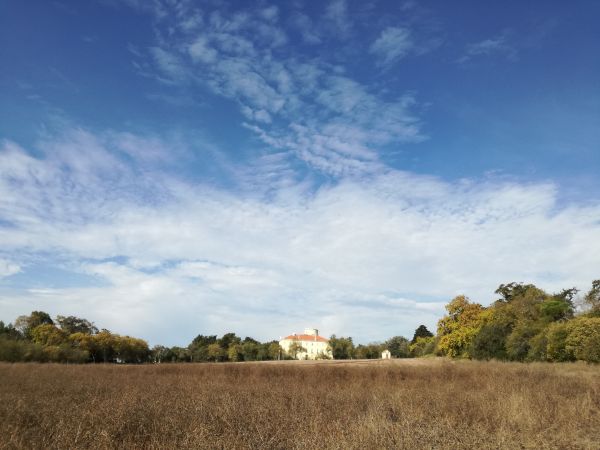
point(72, 324)
point(341, 347)
point(25, 324)
point(421, 332)
point(592, 299)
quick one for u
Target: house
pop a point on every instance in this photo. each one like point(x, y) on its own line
point(308, 345)
point(386, 354)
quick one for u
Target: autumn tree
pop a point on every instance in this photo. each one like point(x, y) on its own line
point(25, 324)
point(47, 334)
point(457, 330)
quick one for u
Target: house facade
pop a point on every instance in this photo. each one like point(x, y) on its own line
point(308, 345)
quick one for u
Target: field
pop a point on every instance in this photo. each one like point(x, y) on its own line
point(377, 404)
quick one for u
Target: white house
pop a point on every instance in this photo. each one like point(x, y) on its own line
point(386, 354)
point(307, 346)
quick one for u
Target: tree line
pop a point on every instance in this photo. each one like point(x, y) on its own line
point(524, 324)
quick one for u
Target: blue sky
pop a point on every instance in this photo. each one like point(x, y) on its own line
point(169, 168)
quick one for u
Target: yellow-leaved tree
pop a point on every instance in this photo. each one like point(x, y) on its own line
point(457, 329)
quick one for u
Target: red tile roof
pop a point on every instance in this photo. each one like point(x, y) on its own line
point(306, 337)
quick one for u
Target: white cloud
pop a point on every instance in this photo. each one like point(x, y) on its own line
point(393, 44)
point(8, 268)
point(370, 256)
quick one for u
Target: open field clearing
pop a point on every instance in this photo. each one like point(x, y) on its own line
point(394, 404)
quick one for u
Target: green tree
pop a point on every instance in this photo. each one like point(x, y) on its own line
point(9, 331)
point(235, 353)
point(160, 354)
point(421, 332)
point(295, 349)
point(592, 299)
point(341, 347)
point(398, 347)
point(422, 346)
point(274, 351)
point(216, 353)
point(227, 340)
point(489, 342)
point(72, 324)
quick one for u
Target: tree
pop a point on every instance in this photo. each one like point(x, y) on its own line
point(457, 330)
point(369, 351)
point(398, 347)
point(421, 332)
point(274, 351)
point(159, 354)
point(489, 342)
point(227, 340)
point(72, 324)
point(592, 299)
point(422, 346)
point(250, 349)
point(198, 348)
point(9, 331)
point(216, 353)
point(27, 323)
point(87, 343)
point(583, 339)
point(235, 353)
point(341, 347)
point(294, 349)
point(47, 334)
point(104, 343)
point(130, 350)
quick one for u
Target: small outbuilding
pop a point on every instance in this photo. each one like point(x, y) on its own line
point(386, 354)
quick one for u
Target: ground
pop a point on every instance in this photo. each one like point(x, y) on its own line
point(417, 403)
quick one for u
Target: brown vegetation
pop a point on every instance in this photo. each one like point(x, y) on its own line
point(396, 404)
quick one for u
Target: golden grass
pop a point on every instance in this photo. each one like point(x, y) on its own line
point(396, 404)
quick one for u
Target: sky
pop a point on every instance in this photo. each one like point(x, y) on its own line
point(170, 168)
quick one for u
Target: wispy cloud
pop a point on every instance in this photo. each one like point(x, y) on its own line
point(293, 103)
point(393, 44)
point(499, 45)
point(337, 13)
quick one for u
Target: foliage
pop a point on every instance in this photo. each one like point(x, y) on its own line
point(72, 324)
point(294, 349)
point(423, 346)
point(592, 299)
point(457, 330)
point(398, 347)
point(525, 324)
point(25, 324)
point(421, 332)
point(341, 347)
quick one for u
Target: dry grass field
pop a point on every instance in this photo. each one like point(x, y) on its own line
point(395, 404)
